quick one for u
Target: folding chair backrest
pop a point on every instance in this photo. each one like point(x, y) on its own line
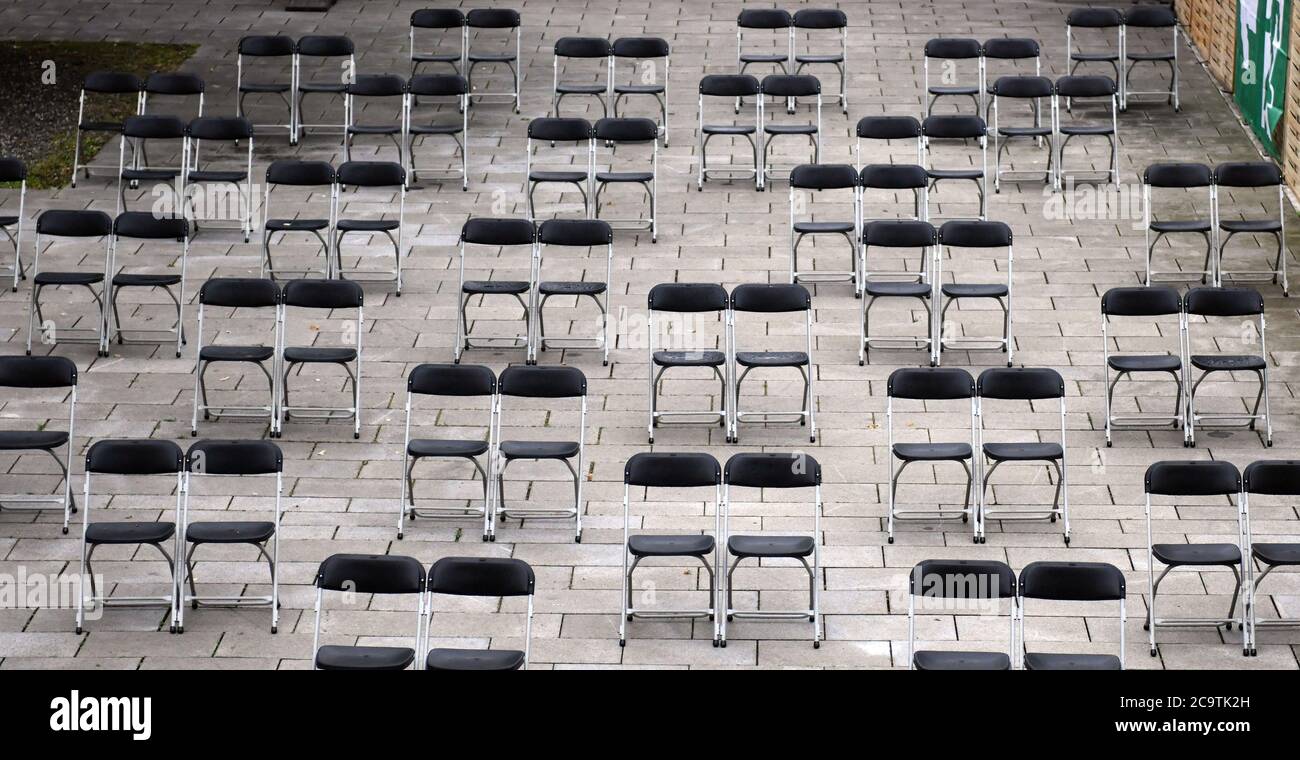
point(174, 83)
point(820, 18)
point(438, 85)
point(1020, 383)
point(239, 292)
point(371, 574)
point(438, 18)
point(209, 457)
point(1193, 478)
point(323, 294)
point(1011, 48)
point(640, 47)
point(901, 233)
point(1247, 174)
point(143, 225)
point(953, 126)
point(823, 177)
point(962, 579)
point(625, 129)
point(37, 372)
point(377, 86)
point(267, 46)
point(1223, 302)
point(300, 173)
point(451, 380)
point(931, 383)
point(1022, 87)
point(112, 83)
point(229, 128)
point(791, 85)
point(771, 299)
point(582, 47)
point(1180, 175)
point(80, 223)
point(1072, 581)
point(482, 576)
point(672, 470)
point(1272, 477)
point(372, 174)
point(955, 48)
point(1155, 301)
point(687, 297)
point(975, 234)
point(484, 231)
point(893, 177)
point(134, 456)
point(772, 470)
point(1082, 87)
point(12, 170)
point(1151, 16)
point(326, 46)
point(542, 382)
point(764, 18)
point(492, 18)
point(556, 129)
point(575, 232)
point(729, 85)
point(888, 128)
point(154, 127)
point(1095, 18)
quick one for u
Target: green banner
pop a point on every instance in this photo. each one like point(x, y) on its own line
point(1263, 37)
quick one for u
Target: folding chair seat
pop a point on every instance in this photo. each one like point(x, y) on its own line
point(963, 128)
point(574, 49)
point(1089, 88)
point(806, 24)
point(269, 47)
point(629, 131)
point(1156, 19)
point(78, 225)
point(375, 91)
point(1267, 478)
point(818, 178)
point(239, 293)
point(129, 458)
point(689, 303)
point(13, 170)
point(1140, 302)
point(1245, 176)
point(239, 459)
point(780, 471)
point(640, 53)
point(778, 53)
point(572, 233)
point(1216, 479)
point(1186, 177)
point(311, 177)
point(497, 233)
point(676, 471)
point(907, 284)
point(1071, 582)
point(390, 575)
point(482, 577)
point(38, 373)
point(442, 22)
point(449, 381)
point(1029, 385)
point(575, 131)
point(772, 300)
point(493, 20)
point(545, 385)
point(1013, 52)
point(950, 50)
point(1099, 21)
point(220, 129)
point(1030, 90)
point(886, 129)
point(953, 584)
point(1227, 303)
point(105, 86)
point(139, 131)
point(325, 54)
point(371, 175)
point(144, 226)
point(975, 235)
point(737, 86)
point(789, 87)
point(932, 385)
point(325, 297)
point(438, 86)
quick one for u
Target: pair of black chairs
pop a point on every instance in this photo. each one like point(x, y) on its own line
point(686, 304)
point(350, 575)
point(1208, 306)
point(925, 175)
point(118, 459)
point(1145, 24)
point(551, 236)
point(808, 25)
point(331, 62)
point(943, 391)
point(251, 299)
point(330, 225)
point(978, 587)
point(489, 453)
point(131, 227)
point(762, 133)
point(1011, 53)
point(1011, 91)
point(783, 472)
point(484, 26)
point(640, 54)
point(1245, 178)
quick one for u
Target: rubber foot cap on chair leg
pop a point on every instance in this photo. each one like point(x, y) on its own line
point(817, 645)
point(891, 539)
point(1229, 626)
point(399, 535)
point(623, 642)
point(1154, 652)
point(65, 531)
point(78, 627)
point(715, 642)
point(723, 643)
point(275, 629)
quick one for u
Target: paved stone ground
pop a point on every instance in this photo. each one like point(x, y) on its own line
point(341, 495)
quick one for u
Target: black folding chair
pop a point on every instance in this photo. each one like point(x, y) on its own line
point(78, 225)
point(227, 129)
point(778, 52)
point(1099, 22)
point(1071, 582)
point(1187, 177)
point(689, 302)
point(143, 226)
point(950, 50)
point(753, 298)
point(675, 471)
point(324, 297)
point(1159, 19)
point(962, 128)
point(109, 86)
point(908, 235)
point(953, 586)
point(545, 385)
point(886, 129)
point(775, 471)
point(641, 52)
point(894, 179)
point(590, 85)
point(629, 131)
point(239, 293)
point(592, 234)
point(1140, 302)
point(575, 131)
point(1013, 52)
point(327, 53)
point(1201, 479)
point(1033, 91)
point(497, 233)
point(1267, 478)
point(371, 176)
point(129, 458)
point(979, 236)
point(1245, 176)
point(269, 47)
point(1029, 385)
point(349, 574)
point(37, 373)
point(806, 23)
point(448, 381)
point(1227, 303)
point(819, 178)
point(737, 86)
point(789, 87)
point(493, 20)
point(300, 174)
point(249, 459)
point(932, 384)
point(139, 132)
point(438, 86)
point(442, 22)
point(1093, 88)
point(13, 170)
point(485, 577)
point(371, 89)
